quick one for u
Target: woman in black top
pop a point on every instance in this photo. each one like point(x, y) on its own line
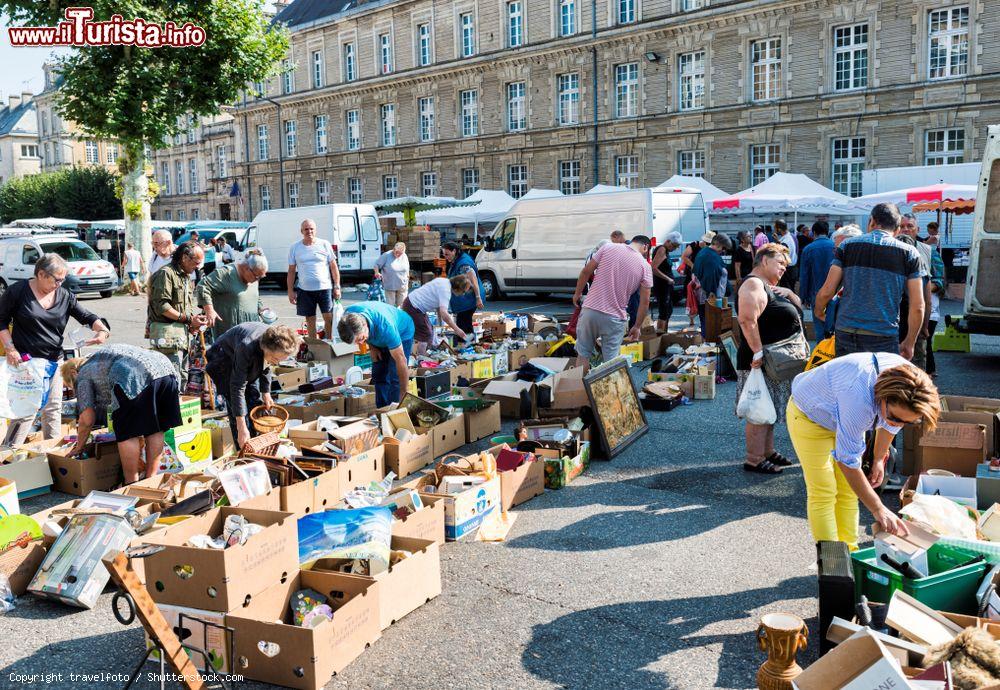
point(33, 318)
point(742, 256)
point(767, 314)
point(663, 279)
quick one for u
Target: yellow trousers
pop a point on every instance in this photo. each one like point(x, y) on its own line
point(831, 504)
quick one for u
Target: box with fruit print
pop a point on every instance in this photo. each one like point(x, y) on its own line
point(187, 451)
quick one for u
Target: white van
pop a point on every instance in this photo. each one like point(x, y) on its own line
point(88, 272)
point(982, 284)
point(352, 229)
point(542, 244)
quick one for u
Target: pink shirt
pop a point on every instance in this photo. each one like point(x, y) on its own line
point(759, 240)
point(620, 272)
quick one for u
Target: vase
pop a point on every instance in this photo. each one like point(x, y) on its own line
point(781, 635)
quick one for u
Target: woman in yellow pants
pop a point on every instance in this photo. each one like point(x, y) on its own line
point(831, 409)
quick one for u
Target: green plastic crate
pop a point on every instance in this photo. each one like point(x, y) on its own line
point(947, 588)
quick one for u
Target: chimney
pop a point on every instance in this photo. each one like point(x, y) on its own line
point(280, 5)
point(26, 97)
point(13, 101)
point(49, 69)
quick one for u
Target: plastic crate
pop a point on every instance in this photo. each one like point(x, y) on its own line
point(952, 340)
point(947, 588)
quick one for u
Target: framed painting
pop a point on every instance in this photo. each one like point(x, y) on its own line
point(615, 404)
point(730, 346)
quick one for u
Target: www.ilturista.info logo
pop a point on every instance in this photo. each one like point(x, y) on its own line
point(80, 30)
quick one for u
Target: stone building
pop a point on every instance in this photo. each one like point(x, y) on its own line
point(18, 138)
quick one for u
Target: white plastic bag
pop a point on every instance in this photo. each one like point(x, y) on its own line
point(24, 389)
point(338, 314)
point(755, 403)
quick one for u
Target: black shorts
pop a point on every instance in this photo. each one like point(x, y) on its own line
point(156, 409)
point(423, 332)
point(307, 301)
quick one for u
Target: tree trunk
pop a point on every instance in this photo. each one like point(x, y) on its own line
point(135, 200)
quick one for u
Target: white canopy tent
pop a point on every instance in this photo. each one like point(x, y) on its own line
point(910, 196)
point(537, 193)
point(488, 206)
point(709, 192)
point(605, 188)
point(785, 193)
point(49, 222)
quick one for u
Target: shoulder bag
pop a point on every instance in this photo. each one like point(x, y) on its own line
point(786, 359)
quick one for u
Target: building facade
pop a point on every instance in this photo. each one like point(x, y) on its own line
point(18, 138)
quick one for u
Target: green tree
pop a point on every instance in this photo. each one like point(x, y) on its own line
point(139, 96)
point(80, 193)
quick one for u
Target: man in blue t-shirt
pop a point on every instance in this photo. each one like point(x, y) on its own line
point(875, 269)
point(814, 264)
point(388, 331)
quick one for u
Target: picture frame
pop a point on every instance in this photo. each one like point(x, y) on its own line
point(728, 342)
point(615, 403)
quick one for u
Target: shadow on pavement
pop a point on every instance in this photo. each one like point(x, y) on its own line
point(107, 653)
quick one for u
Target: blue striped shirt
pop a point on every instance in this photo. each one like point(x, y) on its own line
point(840, 397)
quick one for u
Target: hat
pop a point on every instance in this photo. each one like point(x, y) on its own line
point(708, 237)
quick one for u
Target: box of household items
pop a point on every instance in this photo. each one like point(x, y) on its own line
point(518, 399)
point(307, 407)
point(205, 630)
point(482, 417)
point(445, 425)
point(961, 490)
point(520, 356)
point(432, 383)
point(302, 484)
point(522, 475)
point(406, 449)
point(911, 549)
point(985, 411)
point(354, 470)
point(298, 633)
point(469, 495)
point(221, 559)
point(28, 469)
point(861, 662)
point(81, 474)
point(426, 522)
point(955, 447)
point(338, 356)
point(289, 378)
point(563, 465)
point(192, 450)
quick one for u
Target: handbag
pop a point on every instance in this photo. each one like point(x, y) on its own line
point(868, 457)
point(168, 336)
point(786, 359)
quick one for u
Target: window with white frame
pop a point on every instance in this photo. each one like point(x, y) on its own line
point(425, 108)
point(764, 162)
point(691, 80)
point(385, 53)
point(179, 176)
point(293, 194)
point(45, 153)
point(193, 175)
point(569, 177)
point(690, 5)
point(848, 158)
point(390, 187)
point(470, 182)
point(765, 69)
point(191, 123)
point(627, 171)
point(45, 122)
point(850, 57)
point(423, 45)
point(516, 112)
point(287, 76)
point(322, 191)
point(265, 197)
point(291, 139)
point(467, 22)
point(567, 17)
point(29, 150)
point(317, 68)
point(626, 11)
point(691, 163)
point(221, 161)
point(515, 23)
point(181, 215)
point(470, 112)
point(350, 63)
point(196, 214)
point(90, 151)
point(353, 130)
point(165, 177)
point(944, 146)
point(262, 142)
point(627, 90)
point(319, 124)
point(355, 192)
point(517, 180)
point(111, 152)
point(568, 96)
point(429, 183)
point(258, 89)
point(388, 117)
point(948, 36)
point(168, 214)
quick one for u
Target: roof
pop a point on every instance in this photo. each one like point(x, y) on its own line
point(19, 120)
point(301, 12)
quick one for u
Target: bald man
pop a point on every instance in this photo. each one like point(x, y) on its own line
point(314, 262)
point(163, 249)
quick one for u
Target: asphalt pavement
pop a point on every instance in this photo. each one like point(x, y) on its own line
point(649, 571)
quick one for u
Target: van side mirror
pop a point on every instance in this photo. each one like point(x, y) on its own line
point(489, 244)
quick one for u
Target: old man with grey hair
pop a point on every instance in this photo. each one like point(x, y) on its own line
point(229, 295)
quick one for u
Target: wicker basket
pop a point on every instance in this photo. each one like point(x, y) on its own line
point(278, 417)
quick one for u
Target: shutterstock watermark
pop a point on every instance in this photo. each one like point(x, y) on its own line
point(79, 29)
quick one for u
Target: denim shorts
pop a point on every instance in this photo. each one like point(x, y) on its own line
point(308, 300)
point(132, 275)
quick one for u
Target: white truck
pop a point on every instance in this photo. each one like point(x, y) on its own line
point(88, 272)
point(542, 244)
point(982, 285)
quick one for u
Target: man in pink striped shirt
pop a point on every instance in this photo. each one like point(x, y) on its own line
point(618, 271)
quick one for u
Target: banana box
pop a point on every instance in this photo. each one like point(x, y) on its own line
point(191, 450)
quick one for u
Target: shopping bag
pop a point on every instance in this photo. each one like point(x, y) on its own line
point(24, 389)
point(376, 293)
point(338, 314)
point(824, 351)
point(755, 403)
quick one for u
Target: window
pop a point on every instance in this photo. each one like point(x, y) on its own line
point(293, 194)
point(850, 57)
point(470, 113)
point(423, 45)
point(179, 176)
point(29, 255)
point(503, 236)
point(515, 24)
point(167, 215)
point(258, 89)
point(196, 214)
point(388, 124)
point(516, 116)
point(353, 130)
point(90, 149)
point(111, 153)
point(181, 214)
point(691, 163)
point(689, 5)
point(426, 110)
point(764, 161)
point(355, 193)
point(429, 183)
point(165, 177)
point(567, 17)
point(569, 177)
point(390, 187)
point(322, 191)
point(691, 80)
point(265, 198)
point(317, 65)
point(45, 122)
point(287, 76)
point(262, 142)
point(29, 150)
point(627, 90)
point(517, 180)
point(626, 11)
point(944, 147)
point(319, 123)
point(848, 162)
point(385, 53)
point(470, 181)
point(468, 24)
point(568, 94)
point(291, 139)
point(220, 157)
point(350, 66)
point(193, 175)
point(191, 124)
point(765, 69)
point(948, 31)
point(627, 171)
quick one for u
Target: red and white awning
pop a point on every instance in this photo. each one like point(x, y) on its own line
point(941, 192)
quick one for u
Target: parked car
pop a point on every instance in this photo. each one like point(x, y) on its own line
point(88, 272)
point(208, 231)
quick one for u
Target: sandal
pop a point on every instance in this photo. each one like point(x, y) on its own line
point(765, 467)
point(778, 459)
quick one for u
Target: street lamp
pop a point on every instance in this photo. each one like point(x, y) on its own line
point(281, 157)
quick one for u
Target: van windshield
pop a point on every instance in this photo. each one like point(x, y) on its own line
point(72, 251)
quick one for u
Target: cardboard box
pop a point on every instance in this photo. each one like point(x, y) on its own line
point(464, 512)
point(358, 470)
point(221, 580)
point(338, 356)
point(518, 358)
point(985, 411)
point(507, 391)
point(20, 563)
point(192, 449)
point(632, 352)
point(192, 630)
point(29, 470)
point(289, 378)
point(406, 457)
point(483, 422)
point(431, 384)
point(987, 486)
point(651, 345)
point(222, 440)
point(567, 391)
point(426, 523)
point(270, 649)
point(361, 407)
point(79, 477)
point(685, 382)
point(955, 447)
point(190, 413)
point(482, 368)
point(356, 438)
point(989, 523)
point(910, 549)
point(306, 435)
point(448, 435)
point(522, 484)
point(861, 662)
point(316, 405)
point(498, 328)
point(961, 490)
point(684, 338)
point(560, 470)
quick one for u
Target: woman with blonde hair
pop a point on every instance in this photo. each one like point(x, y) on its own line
point(832, 408)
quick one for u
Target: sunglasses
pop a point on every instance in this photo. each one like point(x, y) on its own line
point(893, 419)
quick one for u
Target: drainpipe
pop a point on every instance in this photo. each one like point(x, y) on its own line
point(246, 158)
point(593, 86)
